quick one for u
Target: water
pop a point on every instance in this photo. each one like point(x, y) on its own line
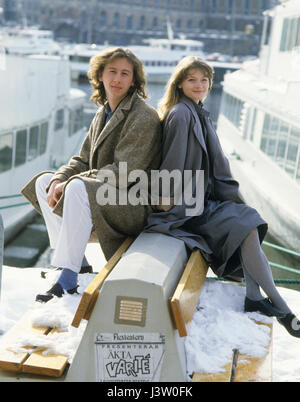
point(212, 104)
point(155, 93)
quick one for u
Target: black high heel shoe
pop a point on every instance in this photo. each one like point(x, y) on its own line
point(291, 324)
point(264, 306)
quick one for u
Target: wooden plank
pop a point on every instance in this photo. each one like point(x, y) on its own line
point(187, 292)
point(50, 365)
point(224, 376)
point(10, 360)
point(254, 369)
point(90, 294)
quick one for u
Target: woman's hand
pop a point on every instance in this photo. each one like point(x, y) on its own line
point(55, 192)
point(165, 204)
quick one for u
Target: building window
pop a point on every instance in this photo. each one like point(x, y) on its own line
point(116, 20)
point(102, 19)
point(264, 5)
point(213, 6)
point(230, 6)
point(21, 147)
point(204, 6)
point(129, 22)
point(142, 22)
point(247, 6)
point(189, 24)
point(6, 149)
point(155, 22)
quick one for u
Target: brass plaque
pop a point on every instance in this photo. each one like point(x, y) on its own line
point(130, 311)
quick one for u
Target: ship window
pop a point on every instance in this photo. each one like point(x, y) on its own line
point(59, 119)
point(272, 137)
point(33, 142)
point(292, 151)
point(76, 121)
point(284, 34)
point(232, 108)
point(21, 145)
point(264, 137)
point(269, 135)
point(292, 35)
point(282, 143)
point(298, 33)
point(43, 137)
point(298, 171)
point(253, 124)
point(6, 147)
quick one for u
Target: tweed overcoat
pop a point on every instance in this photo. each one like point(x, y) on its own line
point(132, 135)
point(226, 220)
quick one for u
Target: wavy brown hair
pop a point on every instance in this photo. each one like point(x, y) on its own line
point(173, 93)
point(98, 63)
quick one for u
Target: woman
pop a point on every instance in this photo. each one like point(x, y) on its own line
point(227, 231)
point(124, 132)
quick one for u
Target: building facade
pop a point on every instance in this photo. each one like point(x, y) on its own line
point(228, 26)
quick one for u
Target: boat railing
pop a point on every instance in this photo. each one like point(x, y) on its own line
point(278, 266)
point(8, 197)
point(1, 251)
point(265, 243)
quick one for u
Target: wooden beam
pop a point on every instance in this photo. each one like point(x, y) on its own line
point(90, 295)
point(50, 365)
point(10, 360)
point(186, 296)
point(255, 369)
point(224, 376)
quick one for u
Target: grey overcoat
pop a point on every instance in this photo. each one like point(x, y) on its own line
point(132, 135)
point(226, 220)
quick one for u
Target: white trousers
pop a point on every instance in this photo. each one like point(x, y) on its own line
point(68, 235)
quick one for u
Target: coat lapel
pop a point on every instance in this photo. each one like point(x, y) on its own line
point(197, 129)
point(116, 118)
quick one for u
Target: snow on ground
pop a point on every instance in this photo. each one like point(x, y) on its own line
point(219, 324)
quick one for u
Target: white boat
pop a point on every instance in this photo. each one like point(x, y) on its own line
point(19, 40)
point(259, 124)
point(159, 57)
point(41, 126)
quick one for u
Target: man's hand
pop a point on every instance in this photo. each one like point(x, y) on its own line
point(55, 192)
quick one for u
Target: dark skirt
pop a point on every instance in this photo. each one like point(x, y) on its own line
point(223, 226)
